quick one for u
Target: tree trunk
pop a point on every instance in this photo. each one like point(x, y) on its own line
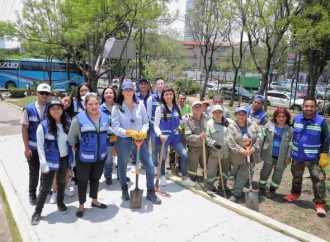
point(207, 73)
point(231, 103)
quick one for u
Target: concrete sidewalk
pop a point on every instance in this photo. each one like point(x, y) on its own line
point(185, 216)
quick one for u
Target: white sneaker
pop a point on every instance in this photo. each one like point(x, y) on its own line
point(163, 181)
point(155, 170)
point(68, 192)
point(188, 183)
point(133, 170)
point(53, 198)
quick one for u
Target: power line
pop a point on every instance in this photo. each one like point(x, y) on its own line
point(11, 9)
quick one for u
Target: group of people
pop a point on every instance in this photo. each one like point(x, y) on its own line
point(87, 136)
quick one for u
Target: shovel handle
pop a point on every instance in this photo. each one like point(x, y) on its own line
point(204, 160)
point(138, 143)
point(221, 176)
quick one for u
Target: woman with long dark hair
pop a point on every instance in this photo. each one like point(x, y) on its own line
point(88, 136)
point(55, 156)
point(167, 130)
point(68, 105)
point(275, 151)
point(78, 103)
point(130, 122)
point(108, 101)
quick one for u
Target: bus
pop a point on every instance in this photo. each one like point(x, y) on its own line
point(20, 72)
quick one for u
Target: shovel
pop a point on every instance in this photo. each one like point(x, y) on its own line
point(221, 177)
point(160, 161)
point(251, 195)
point(205, 168)
point(136, 194)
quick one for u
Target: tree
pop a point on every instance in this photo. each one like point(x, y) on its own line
point(311, 34)
point(208, 25)
point(265, 23)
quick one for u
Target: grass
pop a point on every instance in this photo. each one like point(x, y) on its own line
point(22, 102)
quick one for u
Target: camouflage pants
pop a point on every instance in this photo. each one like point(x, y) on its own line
point(317, 174)
point(267, 169)
point(195, 155)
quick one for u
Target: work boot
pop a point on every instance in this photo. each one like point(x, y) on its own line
point(33, 198)
point(35, 218)
point(320, 210)
point(272, 193)
point(108, 181)
point(151, 196)
point(233, 199)
point(62, 208)
point(124, 193)
point(209, 186)
point(262, 190)
point(291, 197)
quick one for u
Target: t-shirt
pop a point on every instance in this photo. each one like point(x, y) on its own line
point(277, 141)
point(185, 110)
point(41, 109)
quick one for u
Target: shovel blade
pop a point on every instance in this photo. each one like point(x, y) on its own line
point(136, 198)
point(252, 200)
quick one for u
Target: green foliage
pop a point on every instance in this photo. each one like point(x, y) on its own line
point(17, 92)
point(187, 85)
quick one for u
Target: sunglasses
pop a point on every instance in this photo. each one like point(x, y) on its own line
point(44, 93)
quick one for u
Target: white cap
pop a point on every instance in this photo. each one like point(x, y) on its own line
point(196, 103)
point(217, 108)
point(44, 87)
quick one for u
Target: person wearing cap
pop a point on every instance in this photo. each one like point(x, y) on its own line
point(130, 122)
point(256, 112)
point(243, 139)
point(55, 156)
point(144, 91)
point(88, 137)
point(152, 103)
point(216, 132)
point(167, 125)
point(195, 127)
point(205, 107)
point(218, 100)
point(32, 115)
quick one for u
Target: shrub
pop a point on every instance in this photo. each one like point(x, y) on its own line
point(186, 85)
point(17, 92)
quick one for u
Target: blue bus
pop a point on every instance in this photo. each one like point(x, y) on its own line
point(20, 72)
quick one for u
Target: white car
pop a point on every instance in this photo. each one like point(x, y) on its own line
point(282, 99)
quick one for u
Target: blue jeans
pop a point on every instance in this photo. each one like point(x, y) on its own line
point(181, 150)
point(123, 147)
point(108, 164)
point(147, 143)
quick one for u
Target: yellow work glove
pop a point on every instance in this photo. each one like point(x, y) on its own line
point(323, 162)
point(131, 133)
point(112, 138)
point(142, 135)
point(180, 129)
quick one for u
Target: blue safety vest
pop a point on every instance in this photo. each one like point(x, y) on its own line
point(142, 98)
point(93, 142)
point(155, 103)
point(77, 109)
point(169, 127)
point(52, 152)
point(258, 116)
point(106, 111)
point(34, 121)
point(306, 142)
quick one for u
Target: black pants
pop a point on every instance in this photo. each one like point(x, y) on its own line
point(92, 172)
point(34, 166)
point(47, 181)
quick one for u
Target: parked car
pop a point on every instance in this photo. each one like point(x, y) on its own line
point(282, 99)
point(239, 92)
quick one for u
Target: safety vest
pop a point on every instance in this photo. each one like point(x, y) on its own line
point(142, 98)
point(34, 121)
point(169, 127)
point(155, 103)
point(93, 142)
point(76, 108)
point(258, 116)
point(52, 152)
point(306, 142)
point(106, 111)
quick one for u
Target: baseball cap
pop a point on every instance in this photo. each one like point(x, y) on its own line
point(44, 87)
point(54, 102)
point(196, 103)
point(217, 108)
point(127, 84)
point(259, 97)
point(206, 103)
point(240, 109)
point(143, 79)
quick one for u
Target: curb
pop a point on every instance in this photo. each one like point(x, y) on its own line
point(19, 224)
point(13, 105)
point(255, 216)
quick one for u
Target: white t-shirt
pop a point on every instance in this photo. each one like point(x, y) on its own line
point(41, 109)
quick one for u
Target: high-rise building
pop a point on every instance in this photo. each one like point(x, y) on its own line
point(187, 23)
